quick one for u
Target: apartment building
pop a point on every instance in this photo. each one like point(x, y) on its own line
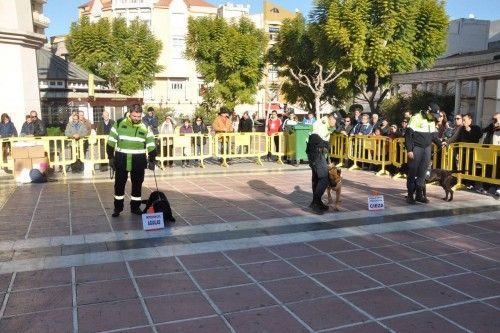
point(178, 85)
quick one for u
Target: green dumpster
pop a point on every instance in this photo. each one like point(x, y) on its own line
point(297, 137)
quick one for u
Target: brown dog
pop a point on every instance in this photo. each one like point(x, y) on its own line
point(335, 178)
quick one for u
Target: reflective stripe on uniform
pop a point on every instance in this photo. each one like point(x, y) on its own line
point(135, 198)
point(119, 197)
point(151, 144)
point(112, 139)
point(114, 130)
point(131, 151)
point(131, 138)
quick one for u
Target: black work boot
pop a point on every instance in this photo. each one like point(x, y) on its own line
point(421, 197)
point(118, 208)
point(410, 198)
point(316, 208)
point(116, 213)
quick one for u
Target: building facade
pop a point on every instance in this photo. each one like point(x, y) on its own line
point(22, 26)
point(470, 69)
point(178, 85)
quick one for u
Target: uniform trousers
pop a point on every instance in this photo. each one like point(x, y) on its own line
point(417, 168)
point(137, 178)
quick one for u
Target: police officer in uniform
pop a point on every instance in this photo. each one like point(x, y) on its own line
point(129, 142)
point(420, 134)
point(317, 148)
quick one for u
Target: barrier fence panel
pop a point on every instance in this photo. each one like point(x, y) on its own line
point(241, 145)
point(370, 149)
point(339, 148)
point(92, 150)
point(186, 147)
point(277, 146)
point(476, 162)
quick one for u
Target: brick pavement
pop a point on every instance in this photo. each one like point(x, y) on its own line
point(396, 275)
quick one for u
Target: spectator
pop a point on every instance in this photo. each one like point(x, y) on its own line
point(235, 122)
point(27, 128)
point(151, 120)
point(348, 126)
point(246, 124)
point(453, 135)
point(291, 121)
point(86, 123)
point(103, 128)
point(384, 127)
point(38, 127)
point(168, 128)
point(76, 130)
point(357, 116)
point(363, 127)
point(402, 130)
point(7, 128)
point(469, 133)
point(222, 124)
point(492, 137)
point(407, 114)
point(199, 127)
point(393, 132)
point(442, 125)
point(273, 127)
point(310, 119)
point(186, 128)
point(377, 131)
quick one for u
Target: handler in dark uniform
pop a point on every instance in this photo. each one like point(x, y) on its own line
point(128, 142)
point(420, 134)
point(317, 150)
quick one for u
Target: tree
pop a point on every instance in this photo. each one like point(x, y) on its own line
point(229, 56)
point(125, 55)
point(314, 69)
point(393, 36)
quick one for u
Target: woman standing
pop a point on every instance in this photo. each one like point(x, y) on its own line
point(168, 127)
point(7, 129)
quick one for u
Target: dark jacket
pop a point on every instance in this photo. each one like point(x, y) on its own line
point(200, 129)
point(7, 130)
point(489, 131)
point(39, 128)
point(103, 129)
point(471, 136)
point(27, 129)
point(245, 125)
point(151, 121)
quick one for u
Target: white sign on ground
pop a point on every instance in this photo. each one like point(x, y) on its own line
point(152, 221)
point(376, 202)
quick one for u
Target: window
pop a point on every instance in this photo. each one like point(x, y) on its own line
point(97, 113)
point(275, 10)
point(178, 46)
point(177, 85)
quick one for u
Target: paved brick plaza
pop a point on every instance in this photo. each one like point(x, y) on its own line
point(246, 255)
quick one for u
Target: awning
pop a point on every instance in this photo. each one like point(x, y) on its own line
point(82, 98)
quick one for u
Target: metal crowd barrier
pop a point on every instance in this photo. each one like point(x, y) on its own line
point(339, 148)
point(92, 150)
point(173, 147)
point(240, 145)
point(370, 149)
point(280, 152)
point(475, 162)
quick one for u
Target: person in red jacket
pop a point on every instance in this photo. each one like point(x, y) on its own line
point(273, 126)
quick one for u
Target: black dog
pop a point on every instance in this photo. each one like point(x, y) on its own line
point(445, 178)
point(160, 204)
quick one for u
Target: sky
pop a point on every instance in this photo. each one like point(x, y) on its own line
point(62, 12)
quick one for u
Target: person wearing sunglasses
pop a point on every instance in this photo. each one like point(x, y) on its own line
point(38, 126)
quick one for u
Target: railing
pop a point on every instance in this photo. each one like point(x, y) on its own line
point(369, 149)
point(241, 145)
point(472, 162)
point(339, 148)
point(186, 147)
point(277, 146)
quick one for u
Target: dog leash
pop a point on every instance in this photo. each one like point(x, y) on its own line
point(156, 183)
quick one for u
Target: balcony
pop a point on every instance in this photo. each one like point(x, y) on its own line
point(40, 20)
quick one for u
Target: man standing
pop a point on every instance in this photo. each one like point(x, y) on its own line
point(222, 124)
point(128, 143)
point(420, 134)
point(151, 120)
point(85, 122)
point(38, 127)
point(103, 128)
point(317, 148)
